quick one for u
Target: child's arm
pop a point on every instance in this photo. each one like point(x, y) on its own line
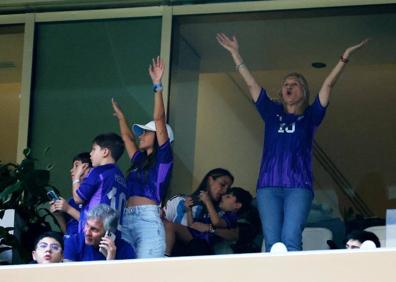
point(156, 70)
point(126, 133)
point(59, 217)
point(216, 220)
point(76, 182)
point(63, 205)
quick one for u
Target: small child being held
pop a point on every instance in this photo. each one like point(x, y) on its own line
point(204, 227)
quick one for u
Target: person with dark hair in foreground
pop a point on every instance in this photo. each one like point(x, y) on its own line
point(48, 248)
point(356, 238)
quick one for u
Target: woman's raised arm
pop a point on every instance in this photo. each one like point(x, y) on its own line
point(156, 70)
point(331, 79)
point(232, 46)
point(126, 133)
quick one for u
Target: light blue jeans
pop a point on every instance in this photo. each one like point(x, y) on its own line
point(283, 213)
point(143, 229)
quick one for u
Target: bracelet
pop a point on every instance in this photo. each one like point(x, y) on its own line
point(211, 229)
point(157, 87)
point(75, 181)
point(344, 60)
point(238, 66)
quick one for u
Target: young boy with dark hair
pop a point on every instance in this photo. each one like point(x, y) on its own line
point(67, 213)
point(356, 238)
point(205, 227)
point(105, 183)
point(48, 248)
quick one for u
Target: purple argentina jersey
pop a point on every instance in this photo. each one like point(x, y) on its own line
point(152, 182)
point(71, 223)
point(77, 250)
point(229, 217)
point(104, 184)
point(287, 154)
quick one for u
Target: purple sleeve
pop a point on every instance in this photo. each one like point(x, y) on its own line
point(89, 185)
point(264, 104)
point(164, 154)
point(318, 112)
point(137, 158)
point(71, 247)
point(230, 219)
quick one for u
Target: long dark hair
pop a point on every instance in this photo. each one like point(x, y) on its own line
point(149, 162)
point(214, 173)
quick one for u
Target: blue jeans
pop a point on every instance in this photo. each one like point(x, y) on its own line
point(143, 229)
point(283, 212)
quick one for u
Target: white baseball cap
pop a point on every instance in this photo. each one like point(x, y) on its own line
point(138, 129)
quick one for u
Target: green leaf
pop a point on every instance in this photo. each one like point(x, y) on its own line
point(6, 195)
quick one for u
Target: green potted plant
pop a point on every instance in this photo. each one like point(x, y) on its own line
point(24, 189)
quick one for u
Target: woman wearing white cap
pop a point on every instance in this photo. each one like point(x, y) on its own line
point(149, 175)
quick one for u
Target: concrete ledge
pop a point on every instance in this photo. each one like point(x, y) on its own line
point(338, 265)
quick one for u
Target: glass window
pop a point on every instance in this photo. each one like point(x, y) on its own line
point(79, 67)
point(217, 124)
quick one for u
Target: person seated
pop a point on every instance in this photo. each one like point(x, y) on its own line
point(100, 239)
point(201, 233)
point(356, 238)
point(216, 182)
point(48, 248)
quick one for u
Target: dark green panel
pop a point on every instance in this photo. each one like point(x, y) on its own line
point(79, 67)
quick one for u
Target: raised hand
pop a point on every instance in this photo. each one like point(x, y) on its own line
point(331, 79)
point(156, 70)
point(353, 48)
point(230, 44)
point(81, 171)
point(118, 113)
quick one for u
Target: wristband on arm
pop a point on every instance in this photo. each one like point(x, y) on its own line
point(157, 87)
point(344, 60)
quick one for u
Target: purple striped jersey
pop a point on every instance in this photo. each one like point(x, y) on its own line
point(153, 181)
point(104, 184)
point(287, 155)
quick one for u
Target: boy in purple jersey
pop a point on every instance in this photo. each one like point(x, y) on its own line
point(284, 188)
point(67, 213)
point(204, 226)
point(105, 183)
point(100, 239)
point(149, 176)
